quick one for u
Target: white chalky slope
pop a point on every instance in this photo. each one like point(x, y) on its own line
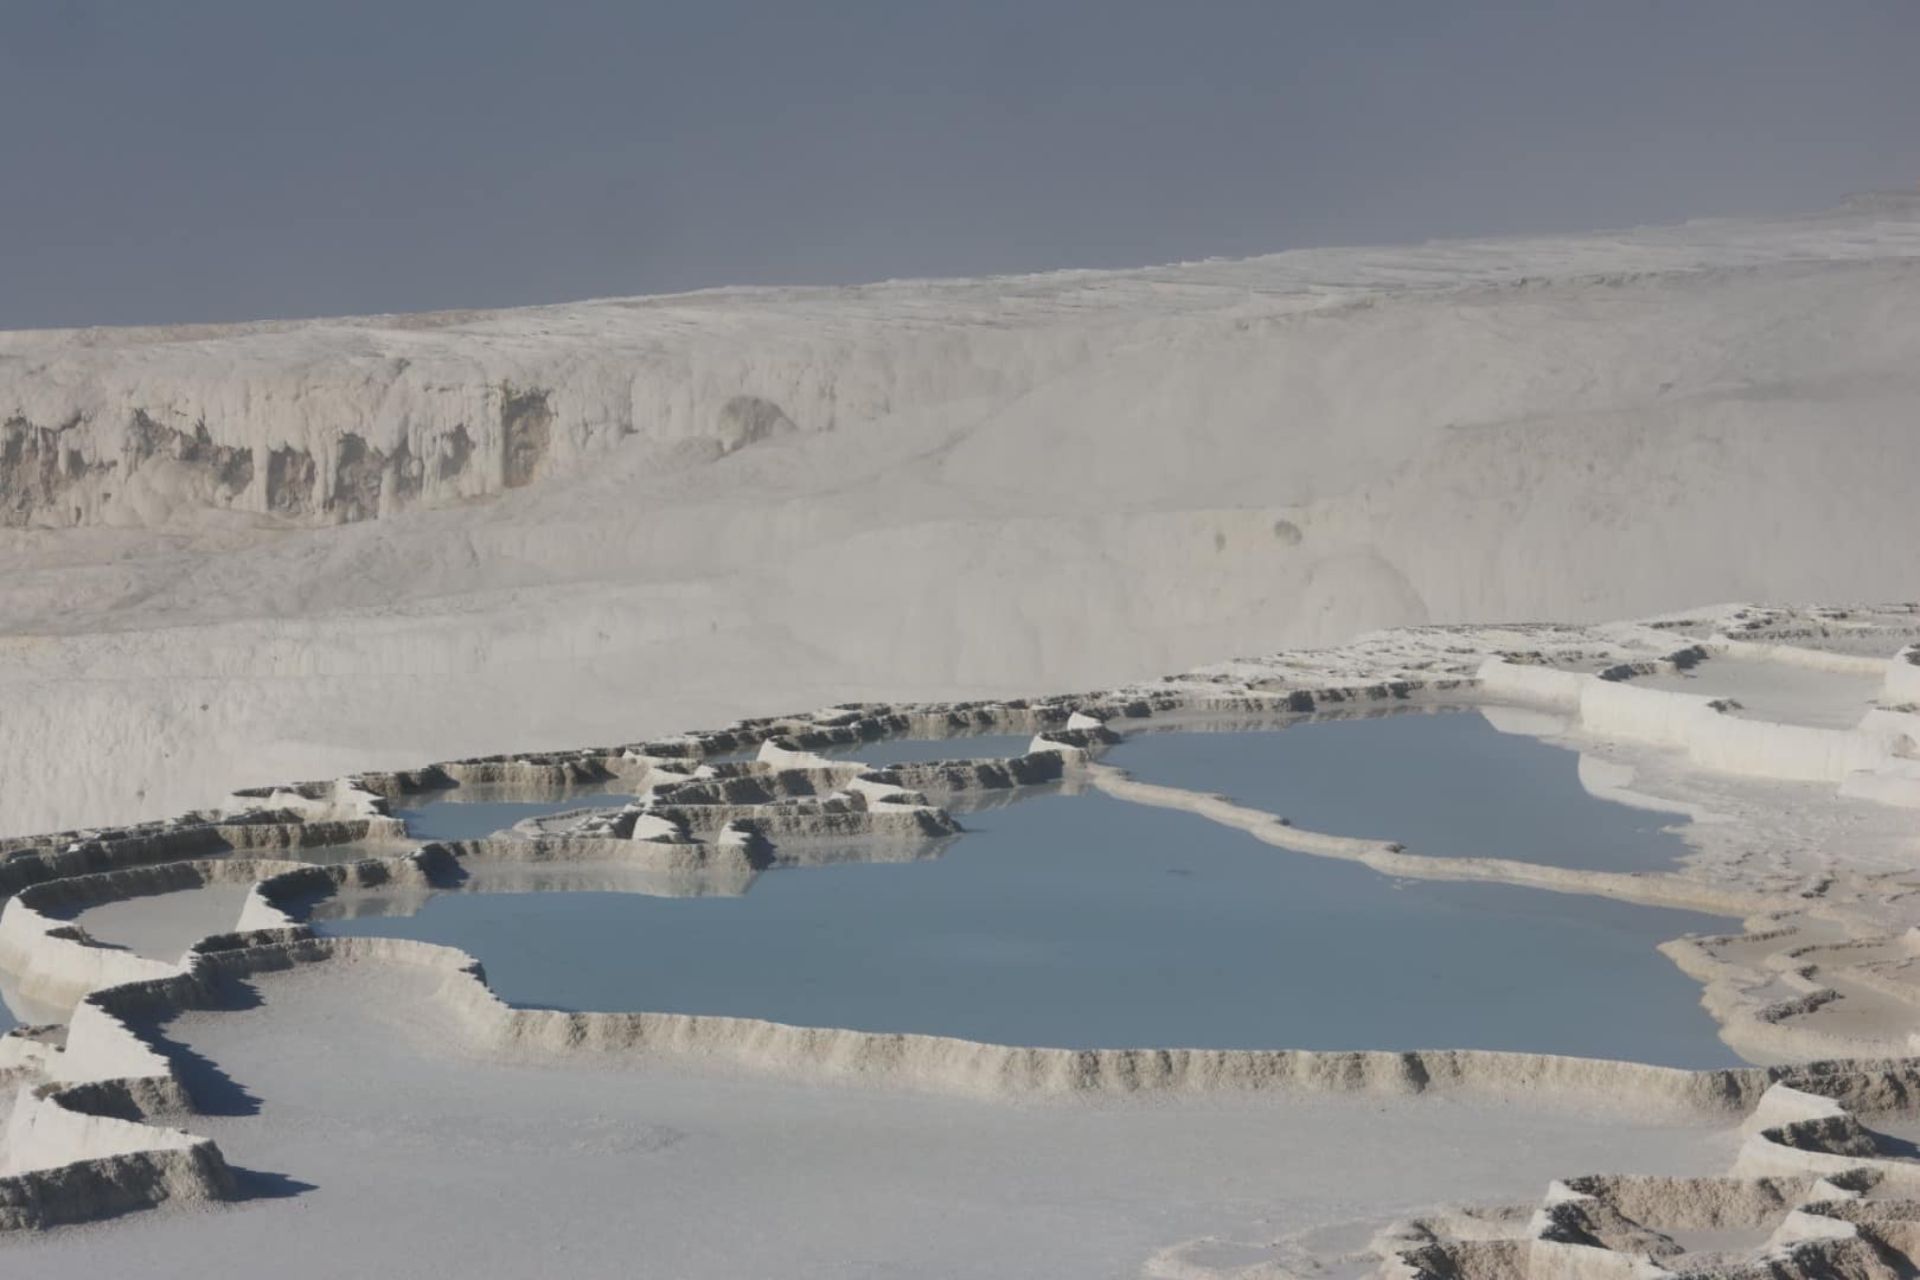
point(239, 554)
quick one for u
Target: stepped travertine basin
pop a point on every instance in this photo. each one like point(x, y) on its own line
point(975, 779)
point(163, 926)
point(465, 813)
point(1086, 922)
point(474, 810)
point(1239, 898)
point(1782, 692)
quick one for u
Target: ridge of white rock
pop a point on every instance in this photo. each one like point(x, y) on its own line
point(607, 519)
point(347, 419)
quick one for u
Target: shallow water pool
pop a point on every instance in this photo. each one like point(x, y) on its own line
point(1089, 922)
point(471, 812)
point(162, 926)
point(1444, 784)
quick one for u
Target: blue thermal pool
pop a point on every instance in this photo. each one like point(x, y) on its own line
point(1085, 921)
point(1444, 784)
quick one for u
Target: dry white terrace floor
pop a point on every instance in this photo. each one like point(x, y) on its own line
point(423, 1162)
point(1776, 690)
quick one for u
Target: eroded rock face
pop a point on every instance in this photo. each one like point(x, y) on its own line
point(290, 477)
point(746, 420)
point(1137, 385)
point(370, 482)
point(39, 471)
point(526, 433)
point(53, 475)
point(405, 475)
point(455, 448)
point(57, 476)
point(230, 466)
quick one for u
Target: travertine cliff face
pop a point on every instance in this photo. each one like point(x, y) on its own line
point(1343, 357)
point(320, 545)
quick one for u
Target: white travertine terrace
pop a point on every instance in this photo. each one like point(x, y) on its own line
point(1807, 1195)
point(1820, 985)
point(1874, 755)
point(356, 418)
point(299, 549)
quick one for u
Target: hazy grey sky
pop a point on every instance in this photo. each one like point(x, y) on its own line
point(224, 159)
